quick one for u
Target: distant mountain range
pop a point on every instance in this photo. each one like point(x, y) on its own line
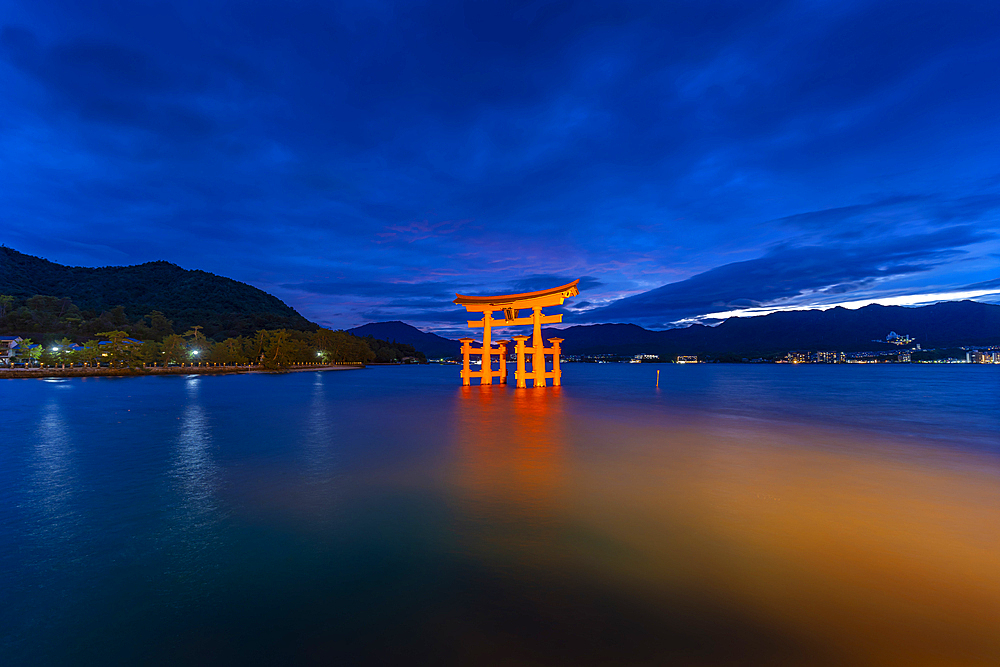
point(432, 345)
point(947, 324)
point(224, 307)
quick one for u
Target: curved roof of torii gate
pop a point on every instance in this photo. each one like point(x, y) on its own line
point(561, 292)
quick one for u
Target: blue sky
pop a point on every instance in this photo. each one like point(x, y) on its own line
point(364, 161)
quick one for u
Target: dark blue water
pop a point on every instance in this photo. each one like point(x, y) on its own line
point(390, 516)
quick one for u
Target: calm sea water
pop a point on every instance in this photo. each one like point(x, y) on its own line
point(736, 515)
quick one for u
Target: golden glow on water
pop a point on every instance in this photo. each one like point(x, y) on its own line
point(862, 549)
point(511, 468)
point(511, 446)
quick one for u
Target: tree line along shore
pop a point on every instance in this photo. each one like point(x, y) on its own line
point(193, 368)
point(53, 332)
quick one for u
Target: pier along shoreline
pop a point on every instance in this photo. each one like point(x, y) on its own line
point(55, 372)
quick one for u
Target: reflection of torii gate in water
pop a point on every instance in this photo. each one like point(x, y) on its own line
point(511, 305)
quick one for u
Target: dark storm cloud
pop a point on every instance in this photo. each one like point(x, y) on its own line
point(108, 83)
point(894, 213)
point(787, 272)
point(985, 284)
point(839, 216)
point(372, 158)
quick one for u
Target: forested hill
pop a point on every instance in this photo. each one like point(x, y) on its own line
point(224, 307)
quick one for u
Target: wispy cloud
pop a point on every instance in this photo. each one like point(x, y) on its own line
point(902, 300)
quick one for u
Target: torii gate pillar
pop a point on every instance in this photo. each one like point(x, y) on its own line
point(466, 357)
point(519, 373)
point(556, 351)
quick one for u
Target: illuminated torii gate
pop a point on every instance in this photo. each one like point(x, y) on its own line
point(511, 305)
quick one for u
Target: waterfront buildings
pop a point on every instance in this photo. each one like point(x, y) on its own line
point(821, 357)
point(9, 349)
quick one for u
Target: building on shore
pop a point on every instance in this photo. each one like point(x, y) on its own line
point(687, 360)
point(797, 357)
point(984, 356)
point(10, 349)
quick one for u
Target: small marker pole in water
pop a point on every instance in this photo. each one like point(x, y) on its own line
point(657, 377)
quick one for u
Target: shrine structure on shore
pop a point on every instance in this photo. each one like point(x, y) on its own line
point(511, 305)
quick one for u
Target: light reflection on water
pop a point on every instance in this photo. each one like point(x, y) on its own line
point(835, 545)
point(871, 557)
point(321, 480)
point(510, 467)
point(52, 476)
point(193, 466)
point(387, 516)
point(193, 538)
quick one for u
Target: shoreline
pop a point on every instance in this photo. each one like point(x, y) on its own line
point(20, 373)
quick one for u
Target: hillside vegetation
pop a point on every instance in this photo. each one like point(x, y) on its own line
point(126, 294)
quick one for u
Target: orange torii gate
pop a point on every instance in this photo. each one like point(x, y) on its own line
point(511, 305)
